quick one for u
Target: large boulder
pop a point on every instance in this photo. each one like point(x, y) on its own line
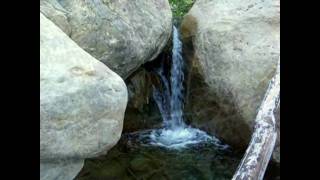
point(60, 170)
point(82, 104)
point(122, 34)
point(232, 48)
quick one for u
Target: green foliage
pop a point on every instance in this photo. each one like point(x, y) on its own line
point(180, 7)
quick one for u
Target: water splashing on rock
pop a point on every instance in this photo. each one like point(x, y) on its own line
point(176, 150)
point(175, 133)
point(170, 99)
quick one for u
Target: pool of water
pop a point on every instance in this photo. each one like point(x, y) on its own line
point(134, 157)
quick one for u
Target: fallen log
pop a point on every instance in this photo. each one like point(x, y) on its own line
point(255, 161)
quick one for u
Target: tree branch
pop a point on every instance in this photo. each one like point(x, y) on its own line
point(255, 161)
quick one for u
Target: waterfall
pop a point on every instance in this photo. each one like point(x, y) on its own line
point(175, 133)
point(176, 79)
point(170, 100)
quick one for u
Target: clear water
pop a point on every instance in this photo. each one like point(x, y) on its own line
point(174, 152)
point(133, 158)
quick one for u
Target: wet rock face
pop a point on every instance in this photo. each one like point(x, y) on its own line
point(122, 34)
point(141, 112)
point(208, 111)
point(232, 48)
point(82, 104)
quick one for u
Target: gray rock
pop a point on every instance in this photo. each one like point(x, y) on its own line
point(60, 170)
point(82, 102)
point(122, 34)
point(235, 47)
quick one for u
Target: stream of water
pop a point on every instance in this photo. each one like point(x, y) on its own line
point(175, 133)
point(175, 151)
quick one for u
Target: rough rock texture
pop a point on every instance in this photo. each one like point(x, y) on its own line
point(123, 34)
point(141, 112)
point(67, 169)
point(82, 102)
point(235, 47)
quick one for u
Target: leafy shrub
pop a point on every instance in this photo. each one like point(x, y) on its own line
point(180, 7)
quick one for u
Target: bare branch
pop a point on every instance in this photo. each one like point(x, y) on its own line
point(254, 163)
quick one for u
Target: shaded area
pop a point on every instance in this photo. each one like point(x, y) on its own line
point(272, 171)
point(141, 112)
point(204, 108)
point(132, 159)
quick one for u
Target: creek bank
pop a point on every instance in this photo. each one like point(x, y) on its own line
point(226, 78)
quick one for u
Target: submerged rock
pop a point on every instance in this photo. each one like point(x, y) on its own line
point(122, 34)
point(82, 104)
point(133, 159)
point(232, 48)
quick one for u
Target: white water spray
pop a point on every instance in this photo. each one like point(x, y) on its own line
point(170, 99)
point(175, 133)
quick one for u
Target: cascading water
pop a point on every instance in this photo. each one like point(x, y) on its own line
point(176, 79)
point(170, 100)
point(187, 153)
point(175, 133)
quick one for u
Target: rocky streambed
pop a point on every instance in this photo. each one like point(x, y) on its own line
point(97, 75)
point(133, 159)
